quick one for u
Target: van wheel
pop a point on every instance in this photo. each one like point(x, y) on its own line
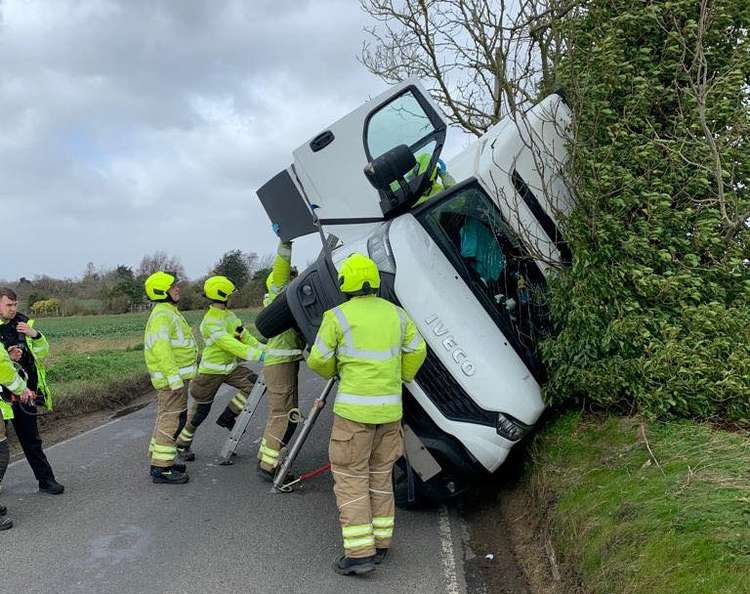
point(275, 318)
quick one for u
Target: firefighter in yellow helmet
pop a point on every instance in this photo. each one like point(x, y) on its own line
point(280, 371)
point(171, 353)
point(227, 344)
point(13, 384)
point(444, 182)
point(372, 345)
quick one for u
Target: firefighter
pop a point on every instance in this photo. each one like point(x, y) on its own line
point(372, 345)
point(280, 371)
point(15, 384)
point(227, 344)
point(436, 186)
point(171, 353)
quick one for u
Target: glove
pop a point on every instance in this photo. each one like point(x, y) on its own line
point(275, 228)
point(262, 357)
point(442, 169)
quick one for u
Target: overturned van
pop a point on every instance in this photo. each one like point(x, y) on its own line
point(469, 265)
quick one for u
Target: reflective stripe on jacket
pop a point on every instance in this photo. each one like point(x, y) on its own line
point(169, 348)
point(288, 345)
point(10, 379)
point(373, 346)
point(224, 350)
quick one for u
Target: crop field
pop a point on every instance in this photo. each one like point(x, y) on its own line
point(97, 361)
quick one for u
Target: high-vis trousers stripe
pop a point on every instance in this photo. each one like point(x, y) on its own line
point(171, 408)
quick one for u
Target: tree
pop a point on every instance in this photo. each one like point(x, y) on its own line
point(653, 313)
point(160, 260)
point(482, 59)
point(236, 266)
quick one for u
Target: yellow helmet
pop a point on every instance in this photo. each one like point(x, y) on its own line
point(218, 288)
point(158, 284)
point(358, 272)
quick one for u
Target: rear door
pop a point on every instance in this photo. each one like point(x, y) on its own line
point(328, 170)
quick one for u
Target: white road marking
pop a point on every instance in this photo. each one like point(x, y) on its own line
point(447, 554)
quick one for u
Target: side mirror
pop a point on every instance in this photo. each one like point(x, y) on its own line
point(387, 173)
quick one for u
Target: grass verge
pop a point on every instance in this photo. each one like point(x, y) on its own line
point(646, 508)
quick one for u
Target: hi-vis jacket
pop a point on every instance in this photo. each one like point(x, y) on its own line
point(169, 348)
point(10, 379)
point(373, 346)
point(39, 349)
point(224, 348)
point(288, 345)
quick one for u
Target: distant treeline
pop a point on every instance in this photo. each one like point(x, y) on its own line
point(120, 289)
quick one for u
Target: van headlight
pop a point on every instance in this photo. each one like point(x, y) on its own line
point(379, 249)
point(511, 428)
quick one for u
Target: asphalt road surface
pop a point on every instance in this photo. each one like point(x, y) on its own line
point(113, 531)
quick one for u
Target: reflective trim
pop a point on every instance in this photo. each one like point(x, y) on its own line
point(414, 344)
point(383, 521)
point(271, 453)
point(359, 543)
point(283, 352)
point(356, 530)
point(17, 384)
point(371, 355)
point(284, 251)
point(383, 533)
point(164, 449)
point(174, 379)
point(268, 460)
point(404, 322)
point(325, 351)
point(186, 433)
point(165, 457)
point(345, 327)
point(190, 370)
point(218, 366)
point(358, 399)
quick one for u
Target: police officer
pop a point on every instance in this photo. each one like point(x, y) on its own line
point(372, 345)
point(171, 353)
point(28, 348)
point(227, 344)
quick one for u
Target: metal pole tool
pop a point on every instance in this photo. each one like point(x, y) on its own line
point(242, 422)
point(307, 425)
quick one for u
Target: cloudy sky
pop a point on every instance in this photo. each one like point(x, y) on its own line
point(129, 126)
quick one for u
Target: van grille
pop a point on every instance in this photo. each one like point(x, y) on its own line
point(448, 396)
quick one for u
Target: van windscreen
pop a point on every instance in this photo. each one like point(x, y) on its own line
point(471, 232)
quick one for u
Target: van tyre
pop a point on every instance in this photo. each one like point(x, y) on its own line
point(275, 318)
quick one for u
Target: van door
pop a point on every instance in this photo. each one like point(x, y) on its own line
point(328, 170)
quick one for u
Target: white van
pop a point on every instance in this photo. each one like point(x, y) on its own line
point(468, 265)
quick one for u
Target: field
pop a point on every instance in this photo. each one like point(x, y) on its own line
point(97, 361)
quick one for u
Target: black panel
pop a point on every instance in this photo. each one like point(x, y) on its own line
point(286, 206)
point(448, 395)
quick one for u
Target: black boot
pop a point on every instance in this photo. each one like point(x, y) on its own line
point(346, 566)
point(226, 419)
point(51, 486)
point(185, 454)
point(6, 524)
point(168, 476)
point(179, 467)
point(380, 555)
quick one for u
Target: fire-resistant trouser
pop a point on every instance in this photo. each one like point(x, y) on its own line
point(203, 391)
point(171, 414)
point(281, 381)
point(362, 458)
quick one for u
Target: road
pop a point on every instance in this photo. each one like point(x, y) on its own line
point(113, 531)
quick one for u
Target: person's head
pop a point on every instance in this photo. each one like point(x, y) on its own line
point(218, 289)
point(8, 304)
point(358, 275)
point(162, 286)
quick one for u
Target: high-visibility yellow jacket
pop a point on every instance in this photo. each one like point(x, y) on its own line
point(10, 379)
point(224, 348)
point(373, 346)
point(288, 345)
point(39, 349)
point(169, 347)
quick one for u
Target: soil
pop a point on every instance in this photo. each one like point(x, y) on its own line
point(511, 551)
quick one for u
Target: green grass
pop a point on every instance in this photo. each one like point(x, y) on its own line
point(97, 361)
point(676, 519)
